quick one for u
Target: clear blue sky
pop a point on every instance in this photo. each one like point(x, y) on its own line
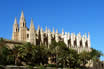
point(71, 15)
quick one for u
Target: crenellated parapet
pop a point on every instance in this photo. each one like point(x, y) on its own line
point(37, 37)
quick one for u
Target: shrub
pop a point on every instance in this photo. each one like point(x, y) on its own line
point(51, 65)
point(42, 67)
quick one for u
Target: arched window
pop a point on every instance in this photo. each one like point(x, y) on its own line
point(23, 24)
point(27, 36)
point(16, 30)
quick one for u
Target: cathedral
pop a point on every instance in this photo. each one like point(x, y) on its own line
point(37, 37)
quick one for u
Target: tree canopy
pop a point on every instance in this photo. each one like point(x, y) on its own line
point(58, 53)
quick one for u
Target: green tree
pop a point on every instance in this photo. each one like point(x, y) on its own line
point(64, 56)
point(95, 54)
point(85, 57)
point(3, 55)
point(28, 54)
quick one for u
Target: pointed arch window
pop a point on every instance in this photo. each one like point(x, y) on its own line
point(16, 30)
point(23, 24)
point(27, 36)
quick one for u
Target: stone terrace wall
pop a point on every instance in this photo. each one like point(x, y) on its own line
point(98, 65)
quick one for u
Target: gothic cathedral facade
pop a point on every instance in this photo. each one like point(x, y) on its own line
point(37, 37)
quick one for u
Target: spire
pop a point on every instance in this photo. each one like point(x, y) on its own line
point(46, 30)
point(83, 40)
point(32, 25)
point(49, 31)
point(41, 29)
point(22, 20)
point(38, 28)
point(56, 31)
point(15, 21)
point(79, 36)
point(89, 43)
point(32, 34)
point(62, 31)
point(88, 36)
point(68, 35)
point(15, 26)
point(65, 33)
point(53, 33)
point(53, 30)
point(85, 36)
point(22, 15)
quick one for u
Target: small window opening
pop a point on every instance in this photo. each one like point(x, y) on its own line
point(27, 35)
point(23, 24)
point(16, 30)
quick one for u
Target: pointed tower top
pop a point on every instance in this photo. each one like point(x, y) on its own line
point(53, 30)
point(49, 31)
point(46, 29)
point(15, 21)
point(65, 33)
point(89, 35)
point(56, 31)
point(85, 35)
point(38, 27)
point(22, 14)
point(32, 25)
point(68, 33)
point(62, 31)
point(41, 29)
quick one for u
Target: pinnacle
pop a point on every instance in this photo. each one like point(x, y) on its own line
point(31, 25)
point(46, 29)
point(22, 14)
point(53, 30)
point(15, 21)
point(62, 30)
point(38, 27)
point(31, 21)
point(56, 31)
point(68, 33)
point(41, 29)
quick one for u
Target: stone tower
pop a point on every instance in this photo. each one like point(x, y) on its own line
point(32, 32)
point(22, 29)
point(15, 33)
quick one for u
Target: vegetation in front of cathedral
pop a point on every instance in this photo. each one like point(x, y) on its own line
point(57, 53)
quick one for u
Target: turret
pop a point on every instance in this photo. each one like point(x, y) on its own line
point(46, 32)
point(38, 30)
point(32, 33)
point(57, 36)
point(15, 30)
point(66, 39)
point(78, 40)
point(85, 37)
point(62, 32)
point(68, 35)
point(49, 38)
point(53, 33)
point(89, 43)
point(72, 40)
point(42, 36)
point(83, 41)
